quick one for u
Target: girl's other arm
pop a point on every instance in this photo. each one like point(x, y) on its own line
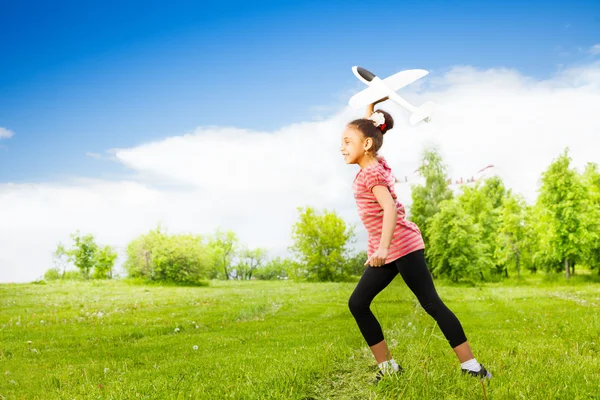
point(390, 216)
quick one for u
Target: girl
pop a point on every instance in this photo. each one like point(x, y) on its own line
point(395, 246)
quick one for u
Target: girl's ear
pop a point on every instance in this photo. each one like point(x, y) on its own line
point(368, 143)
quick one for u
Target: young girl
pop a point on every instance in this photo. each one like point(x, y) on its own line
point(395, 246)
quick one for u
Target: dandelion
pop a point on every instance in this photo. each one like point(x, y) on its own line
point(197, 327)
point(34, 351)
point(29, 342)
point(410, 324)
point(195, 347)
point(106, 370)
point(42, 321)
point(176, 330)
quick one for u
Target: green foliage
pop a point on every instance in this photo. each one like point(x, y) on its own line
point(484, 204)
point(61, 258)
point(83, 253)
point(455, 248)
point(567, 206)
point(591, 179)
point(52, 274)
point(104, 262)
point(72, 275)
point(356, 263)
point(426, 199)
point(223, 247)
point(320, 244)
point(90, 259)
point(249, 262)
point(159, 256)
point(502, 232)
point(276, 268)
point(511, 234)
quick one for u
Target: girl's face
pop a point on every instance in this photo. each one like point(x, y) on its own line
point(354, 145)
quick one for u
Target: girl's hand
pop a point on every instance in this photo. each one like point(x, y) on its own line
point(381, 100)
point(371, 107)
point(378, 258)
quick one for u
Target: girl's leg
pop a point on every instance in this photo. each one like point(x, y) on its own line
point(373, 281)
point(415, 273)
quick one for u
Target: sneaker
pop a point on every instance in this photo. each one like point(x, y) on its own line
point(380, 374)
point(482, 373)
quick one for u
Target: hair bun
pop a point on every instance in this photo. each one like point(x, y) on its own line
point(389, 121)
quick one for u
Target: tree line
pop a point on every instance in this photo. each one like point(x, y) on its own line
point(488, 232)
point(483, 232)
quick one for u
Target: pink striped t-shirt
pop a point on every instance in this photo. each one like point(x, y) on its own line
point(407, 236)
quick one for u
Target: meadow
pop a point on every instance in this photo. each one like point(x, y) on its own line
point(289, 340)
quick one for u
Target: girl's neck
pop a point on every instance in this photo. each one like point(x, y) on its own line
point(367, 161)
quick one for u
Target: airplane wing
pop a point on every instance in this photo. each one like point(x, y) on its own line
point(394, 82)
point(367, 96)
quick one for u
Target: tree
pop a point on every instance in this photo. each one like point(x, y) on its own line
point(139, 254)
point(356, 263)
point(250, 261)
point(564, 196)
point(223, 247)
point(276, 268)
point(61, 259)
point(511, 231)
point(483, 202)
point(159, 256)
point(87, 256)
point(104, 263)
point(455, 248)
point(538, 253)
point(426, 199)
point(591, 179)
point(84, 253)
point(179, 258)
point(320, 244)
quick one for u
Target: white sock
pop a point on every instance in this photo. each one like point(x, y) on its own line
point(471, 365)
point(389, 366)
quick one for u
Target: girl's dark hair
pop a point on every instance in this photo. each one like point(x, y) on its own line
point(369, 130)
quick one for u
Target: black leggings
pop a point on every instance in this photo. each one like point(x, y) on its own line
point(414, 271)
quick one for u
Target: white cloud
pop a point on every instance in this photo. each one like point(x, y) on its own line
point(252, 182)
point(595, 49)
point(5, 133)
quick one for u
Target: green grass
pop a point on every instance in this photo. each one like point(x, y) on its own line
point(285, 340)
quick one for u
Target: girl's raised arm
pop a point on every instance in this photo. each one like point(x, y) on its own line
point(371, 107)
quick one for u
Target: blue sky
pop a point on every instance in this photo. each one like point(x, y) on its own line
point(85, 77)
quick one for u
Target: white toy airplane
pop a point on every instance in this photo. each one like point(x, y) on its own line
point(379, 89)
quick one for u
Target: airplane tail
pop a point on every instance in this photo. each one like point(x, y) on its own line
point(422, 113)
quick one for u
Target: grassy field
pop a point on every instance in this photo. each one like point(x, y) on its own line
point(285, 340)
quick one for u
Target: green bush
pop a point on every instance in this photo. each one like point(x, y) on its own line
point(274, 269)
point(73, 275)
point(158, 256)
point(52, 274)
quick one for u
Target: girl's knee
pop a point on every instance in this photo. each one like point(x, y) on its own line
point(433, 307)
point(356, 304)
